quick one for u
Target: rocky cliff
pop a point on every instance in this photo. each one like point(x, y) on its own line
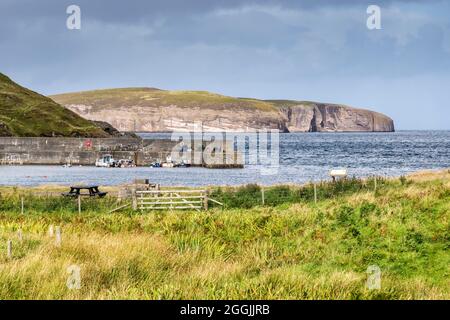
point(319, 117)
point(153, 110)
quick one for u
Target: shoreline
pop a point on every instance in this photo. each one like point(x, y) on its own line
point(420, 175)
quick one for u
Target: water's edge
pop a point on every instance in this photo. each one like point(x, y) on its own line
point(303, 158)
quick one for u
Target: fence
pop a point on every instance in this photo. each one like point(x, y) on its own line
point(172, 200)
point(252, 195)
point(242, 197)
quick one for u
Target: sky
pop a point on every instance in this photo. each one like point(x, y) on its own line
point(315, 50)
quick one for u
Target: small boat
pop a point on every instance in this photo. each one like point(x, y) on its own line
point(182, 164)
point(107, 161)
point(125, 163)
point(155, 165)
point(167, 165)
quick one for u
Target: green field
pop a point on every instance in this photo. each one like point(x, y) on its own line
point(290, 248)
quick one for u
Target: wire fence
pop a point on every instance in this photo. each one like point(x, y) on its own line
point(244, 197)
point(255, 195)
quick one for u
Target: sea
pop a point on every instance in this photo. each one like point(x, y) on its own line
point(303, 157)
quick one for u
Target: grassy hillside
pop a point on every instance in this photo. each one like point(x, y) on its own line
point(27, 113)
point(291, 248)
point(155, 97)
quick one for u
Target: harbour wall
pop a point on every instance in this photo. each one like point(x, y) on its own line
point(81, 151)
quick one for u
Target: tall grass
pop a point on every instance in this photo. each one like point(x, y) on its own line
point(250, 196)
point(289, 249)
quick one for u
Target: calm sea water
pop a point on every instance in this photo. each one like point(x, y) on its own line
point(303, 157)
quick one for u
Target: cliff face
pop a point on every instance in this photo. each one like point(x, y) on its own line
point(334, 118)
point(173, 118)
point(152, 110)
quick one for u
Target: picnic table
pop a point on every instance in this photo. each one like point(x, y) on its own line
point(93, 191)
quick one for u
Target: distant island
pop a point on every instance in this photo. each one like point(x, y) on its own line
point(155, 110)
point(111, 112)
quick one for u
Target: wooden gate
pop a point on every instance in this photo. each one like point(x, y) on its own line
point(172, 200)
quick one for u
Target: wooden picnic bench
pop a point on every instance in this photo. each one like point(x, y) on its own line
point(93, 191)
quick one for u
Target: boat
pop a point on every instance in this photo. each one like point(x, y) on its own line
point(125, 163)
point(169, 163)
point(182, 164)
point(106, 161)
point(156, 164)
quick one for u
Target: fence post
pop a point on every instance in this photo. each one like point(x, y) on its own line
point(58, 236)
point(205, 200)
point(21, 204)
point(9, 249)
point(315, 193)
point(79, 204)
point(262, 195)
point(375, 185)
point(134, 199)
point(20, 235)
point(158, 188)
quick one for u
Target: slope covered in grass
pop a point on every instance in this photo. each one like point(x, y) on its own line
point(291, 249)
point(151, 97)
point(27, 113)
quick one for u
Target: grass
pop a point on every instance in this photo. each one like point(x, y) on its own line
point(288, 249)
point(26, 113)
point(151, 97)
point(251, 195)
point(291, 103)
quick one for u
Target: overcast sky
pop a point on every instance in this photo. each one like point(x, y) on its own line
point(319, 50)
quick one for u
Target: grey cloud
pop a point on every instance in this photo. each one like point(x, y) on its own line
point(317, 50)
point(136, 10)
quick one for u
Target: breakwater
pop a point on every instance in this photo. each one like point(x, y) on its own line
point(80, 151)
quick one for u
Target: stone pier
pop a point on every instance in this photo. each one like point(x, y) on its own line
point(81, 151)
point(85, 151)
